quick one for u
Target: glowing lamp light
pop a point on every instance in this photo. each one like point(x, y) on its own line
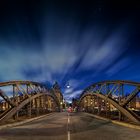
point(68, 86)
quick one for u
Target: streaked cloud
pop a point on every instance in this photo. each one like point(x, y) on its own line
point(118, 67)
point(72, 94)
point(64, 53)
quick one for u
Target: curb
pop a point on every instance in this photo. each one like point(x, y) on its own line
point(23, 122)
point(117, 122)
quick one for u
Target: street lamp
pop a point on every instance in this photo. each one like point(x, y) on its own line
point(68, 86)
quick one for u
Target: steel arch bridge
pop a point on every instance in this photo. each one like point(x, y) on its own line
point(120, 94)
point(18, 96)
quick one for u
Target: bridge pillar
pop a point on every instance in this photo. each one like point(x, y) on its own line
point(29, 109)
point(88, 103)
point(99, 105)
point(37, 106)
point(92, 103)
point(85, 103)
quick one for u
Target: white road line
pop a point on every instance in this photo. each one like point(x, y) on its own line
point(68, 127)
point(68, 121)
point(68, 135)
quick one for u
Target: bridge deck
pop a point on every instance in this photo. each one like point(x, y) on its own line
point(75, 126)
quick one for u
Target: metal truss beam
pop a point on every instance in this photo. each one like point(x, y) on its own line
point(118, 87)
point(6, 98)
point(131, 96)
point(123, 110)
point(25, 88)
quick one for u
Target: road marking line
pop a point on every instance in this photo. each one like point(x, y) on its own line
point(68, 120)
point(68, 135)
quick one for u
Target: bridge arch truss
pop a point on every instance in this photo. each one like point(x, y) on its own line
point(121, 94)
point(18, 96)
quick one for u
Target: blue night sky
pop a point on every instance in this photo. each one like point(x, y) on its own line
point(71, 42)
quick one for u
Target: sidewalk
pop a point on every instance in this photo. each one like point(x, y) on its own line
point(25, 121)
point(117, 122)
